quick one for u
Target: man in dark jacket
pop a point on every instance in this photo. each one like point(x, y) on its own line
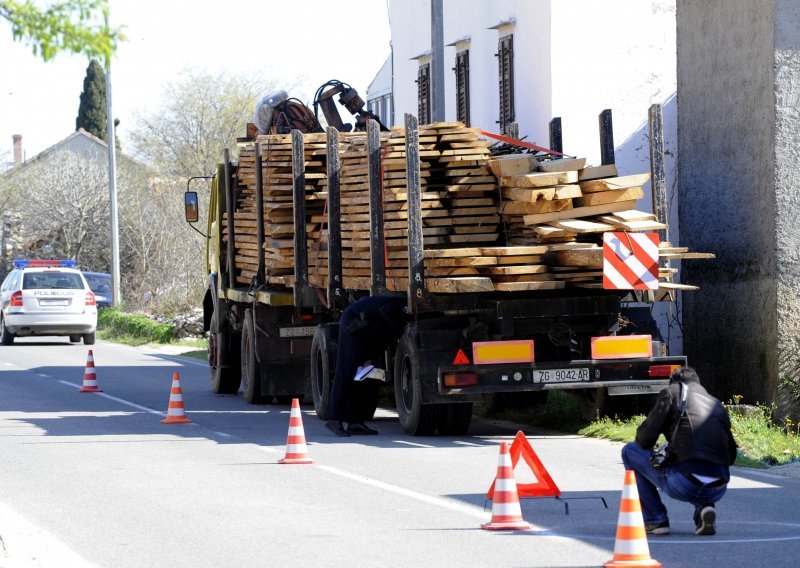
point(366, 328)
point(701, 447)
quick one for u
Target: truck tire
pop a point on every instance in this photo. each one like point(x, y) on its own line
point(416, 418)
point(6, 337)
point(594, 403)
point(454, 419)
point(224, 347)
point(322, 369)
point(251, 368)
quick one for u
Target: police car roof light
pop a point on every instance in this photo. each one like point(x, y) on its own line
point(32, 263)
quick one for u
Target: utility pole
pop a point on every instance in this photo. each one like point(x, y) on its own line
point(112, 182)
point(437, 61)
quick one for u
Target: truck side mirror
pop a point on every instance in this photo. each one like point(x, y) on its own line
point(191, 207)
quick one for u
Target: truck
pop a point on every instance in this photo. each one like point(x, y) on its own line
point(284, 261)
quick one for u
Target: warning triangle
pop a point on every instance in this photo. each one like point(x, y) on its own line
point(461, 358)
point(544, 486)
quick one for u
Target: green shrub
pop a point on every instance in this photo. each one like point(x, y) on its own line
point(131, 328)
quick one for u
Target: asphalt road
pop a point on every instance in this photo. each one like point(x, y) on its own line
point(97, 480)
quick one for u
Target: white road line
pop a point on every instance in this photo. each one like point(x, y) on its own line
point(412, 444)
point(438, 501)
point(472, 444)
point(119, 400)
point(42, 375)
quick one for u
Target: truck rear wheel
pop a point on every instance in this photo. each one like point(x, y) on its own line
point(322, 369)
point(594, 403)
point(454, 419)
point(251, 368)
point(224, 360)
point(415, 418)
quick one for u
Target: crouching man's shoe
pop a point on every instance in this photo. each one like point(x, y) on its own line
point(706, 521)
point(337, 427)
point(661, 528)
point(359, 428)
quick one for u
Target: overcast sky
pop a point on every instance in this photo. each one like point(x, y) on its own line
point(315, 40)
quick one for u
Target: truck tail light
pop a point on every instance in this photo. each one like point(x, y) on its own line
point(460, 379)
point(16, 299)
point(90, 301)
point(662, 370)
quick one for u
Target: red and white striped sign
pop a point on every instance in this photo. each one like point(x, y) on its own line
point(630, 261)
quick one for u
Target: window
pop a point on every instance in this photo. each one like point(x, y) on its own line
point(462, 86)
point(505, 61)
point(424, 93)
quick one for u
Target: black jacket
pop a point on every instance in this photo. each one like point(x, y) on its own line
point(704, 434)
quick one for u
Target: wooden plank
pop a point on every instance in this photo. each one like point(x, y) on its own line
point(568, 192)
point(597, 172)
point(608, 184)
point(634, 225)
point(527, 208)
point(540, 179)
point(676, 286)
point(529, 195)
point(513, 250)
point(582, 227)
point(527, 286)
point(578, 212)
point(634, 215)
point(612, 196)
point(515, 270)
point(459, 285)
point(563, 165)
point(514, 165)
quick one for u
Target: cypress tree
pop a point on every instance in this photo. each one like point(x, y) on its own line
point(92, 110)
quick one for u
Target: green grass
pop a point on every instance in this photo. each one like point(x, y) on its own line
point(131, 329)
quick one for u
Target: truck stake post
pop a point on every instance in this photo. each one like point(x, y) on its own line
point(606, 138)
point(416, 263)
point(658, 178)
point(302, 292)
point(260, 275)
point(336, 294)
point(377, 253)
point(555, 135)
point(230, 206)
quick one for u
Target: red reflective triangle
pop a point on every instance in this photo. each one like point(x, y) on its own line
point(544, 486)
point(461, 358)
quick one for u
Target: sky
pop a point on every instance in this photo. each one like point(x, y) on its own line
point(313, 40)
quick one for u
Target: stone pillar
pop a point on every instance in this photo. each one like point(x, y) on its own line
point(738, 76)
point(17, 139)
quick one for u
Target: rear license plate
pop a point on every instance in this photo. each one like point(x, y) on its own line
point(54, 302)
point(561, 375)
point(299, 331)
point(635, 389)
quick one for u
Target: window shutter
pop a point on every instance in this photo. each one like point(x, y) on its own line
point(424, 94)
point(505, 58)
point(462, 86)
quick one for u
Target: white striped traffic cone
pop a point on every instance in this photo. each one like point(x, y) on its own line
point(630, 548)
point(89, 377)
point(506, 512)
point(296, 450)
point(175, 412)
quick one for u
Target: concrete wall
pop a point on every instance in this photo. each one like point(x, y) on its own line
point(727, 192)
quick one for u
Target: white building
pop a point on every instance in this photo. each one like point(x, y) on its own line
point(531, 60)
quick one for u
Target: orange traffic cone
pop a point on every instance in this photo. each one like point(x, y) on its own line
point(630, 548)
point(89, 377)
point(175, 410)
point(506, 512)
point(296, 450)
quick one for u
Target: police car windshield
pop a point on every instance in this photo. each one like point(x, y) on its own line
point(51, 281)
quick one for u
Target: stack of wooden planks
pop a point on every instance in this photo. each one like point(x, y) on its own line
point(509, 223)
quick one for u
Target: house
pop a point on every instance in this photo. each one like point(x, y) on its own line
point(75, 168)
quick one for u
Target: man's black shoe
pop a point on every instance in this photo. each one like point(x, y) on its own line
point(359, 428)
point(337, 428)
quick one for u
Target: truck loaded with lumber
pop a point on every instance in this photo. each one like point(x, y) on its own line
point(496, 247)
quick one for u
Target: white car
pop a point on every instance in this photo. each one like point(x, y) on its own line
point(47, 297)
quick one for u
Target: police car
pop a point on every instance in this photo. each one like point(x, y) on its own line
point(47, 297)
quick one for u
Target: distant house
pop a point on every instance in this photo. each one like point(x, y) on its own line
point(379, 94)
point(88, 156)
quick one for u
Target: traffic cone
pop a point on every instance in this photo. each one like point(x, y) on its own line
point(89, 377)
point(630, 548)
point(506, 512)
point(175, 410)
point(296, 450)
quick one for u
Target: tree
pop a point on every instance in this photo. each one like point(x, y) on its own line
point(74, 26)
point(201, 114)
point(92, 109)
